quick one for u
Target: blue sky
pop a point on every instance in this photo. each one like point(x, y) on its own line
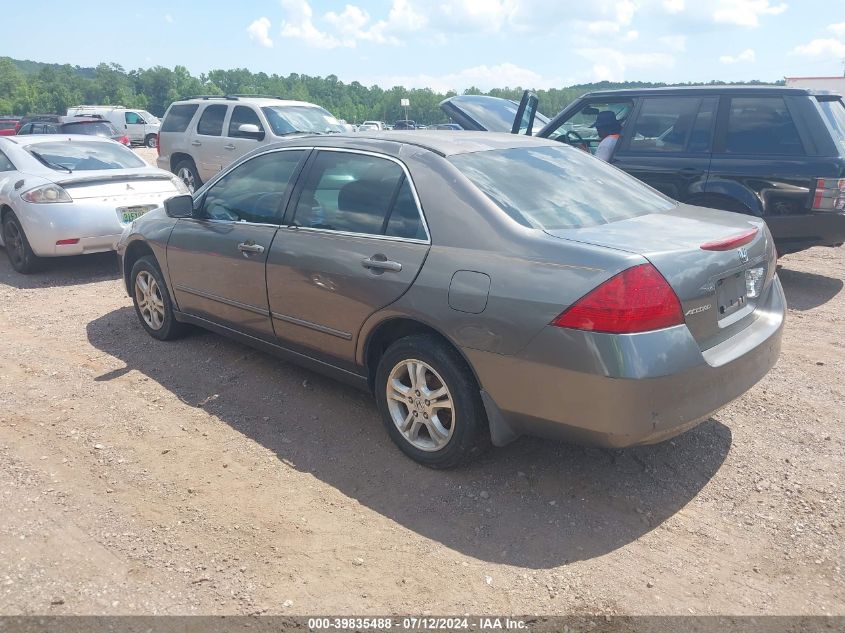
point(451, 44)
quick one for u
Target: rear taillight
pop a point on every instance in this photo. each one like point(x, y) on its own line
point(830, 195)
point(638, 299)
point(125, 140)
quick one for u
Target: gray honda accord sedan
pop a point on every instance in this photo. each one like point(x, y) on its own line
point(482, 286)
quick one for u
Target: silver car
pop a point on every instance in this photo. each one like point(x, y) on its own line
point(72, 194)
point(482, 286)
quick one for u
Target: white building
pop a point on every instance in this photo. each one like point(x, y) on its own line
point(833, 84)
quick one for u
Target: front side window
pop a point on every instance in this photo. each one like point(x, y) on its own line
point(211, 121)
point(253, 191)
point(558, 187)
point(179, 117)
point(671, 124)
point(84, 155)
point(357, 193)
point(580, 127)
point(761, 125)
point(132, 118)
point(243, 115)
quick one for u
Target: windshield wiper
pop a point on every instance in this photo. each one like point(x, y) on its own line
point(49, 164)
point(298, 132)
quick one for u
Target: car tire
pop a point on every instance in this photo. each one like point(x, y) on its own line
point(153, 304)
point(425, 429)
point(187, 172)
point(151, 141)
point(20, 253)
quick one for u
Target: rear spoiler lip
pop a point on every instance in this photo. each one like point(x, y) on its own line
point(69, 182)
point(732, 242)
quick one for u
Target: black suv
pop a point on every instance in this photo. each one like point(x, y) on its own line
point(776, 153)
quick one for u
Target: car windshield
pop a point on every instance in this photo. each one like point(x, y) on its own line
point(84, 155)
point(494, 114)
point(91, 128)
point(291, 119)
point(834, 113)
point(558, 187)
point(149, 118)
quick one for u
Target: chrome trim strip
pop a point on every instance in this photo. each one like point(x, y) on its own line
point(228, 302)
point(384, 238)
point(312, 326)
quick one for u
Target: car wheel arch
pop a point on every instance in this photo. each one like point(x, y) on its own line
point(391, 329)
point(742, 201)
point(178, 157)
point(135, 251)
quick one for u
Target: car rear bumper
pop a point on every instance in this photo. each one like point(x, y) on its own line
point(623, 390)
point(797, 232)
point(94, 223)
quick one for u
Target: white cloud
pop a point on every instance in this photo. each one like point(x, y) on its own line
point(630, 36)
point(745, 56)
point(675, 43)
point(673, 6)
point(483, 77)
point(837, 29)
point(259, 32)
point(746, 12)
point(612, 64)
point(299, 24)
point(168, 18)
point(823, 47)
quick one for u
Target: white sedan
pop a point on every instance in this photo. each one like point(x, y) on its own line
point(72, 194)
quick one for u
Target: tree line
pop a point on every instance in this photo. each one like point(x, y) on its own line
point(31, 87)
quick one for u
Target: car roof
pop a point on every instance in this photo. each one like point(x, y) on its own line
point(711, 90)
point(260, 100)
point(442, 142)
point(25, 140)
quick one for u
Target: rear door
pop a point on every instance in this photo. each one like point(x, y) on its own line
point(354, 242)
point(217, 260)
point(668, 144)
point(207, 144)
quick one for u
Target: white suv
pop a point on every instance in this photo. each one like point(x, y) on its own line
point(202, 135)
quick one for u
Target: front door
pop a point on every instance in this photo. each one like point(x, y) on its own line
point(207, 143)
point(217, 260)
point(579, 128)
point(668, 145)
point(238, 142)
point(354, 243)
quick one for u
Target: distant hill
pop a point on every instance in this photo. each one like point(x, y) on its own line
point(31, 68)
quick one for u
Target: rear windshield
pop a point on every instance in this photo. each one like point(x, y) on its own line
point(558, 187)
point(8, 125)
point(92, 128)
point(178, 117)
point(834, 113)
point(290, 119)
point(84, 155)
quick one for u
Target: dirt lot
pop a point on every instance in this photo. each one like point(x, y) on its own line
point(204, 477)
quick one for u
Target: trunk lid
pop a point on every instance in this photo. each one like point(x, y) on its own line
point(711, 284)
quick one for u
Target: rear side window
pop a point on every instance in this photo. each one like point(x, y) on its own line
point(356, 193)
point(558, 187)
point(211, 121)
point(178, 117)
point(673, 124)
point(834, 113)
point(5, 163)
point(761, 125)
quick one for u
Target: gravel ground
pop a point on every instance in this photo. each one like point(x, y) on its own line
point(202, 476)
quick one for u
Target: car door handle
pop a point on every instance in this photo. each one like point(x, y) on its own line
point(380, 262)
point(250, 247)
point(196, 143)
point(229, 146)
point(690, 171)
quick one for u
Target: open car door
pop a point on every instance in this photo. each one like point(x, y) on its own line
point(491, 114)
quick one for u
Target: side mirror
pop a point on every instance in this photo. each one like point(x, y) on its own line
point(523, 123)
point(250, 130)
point(179, 206)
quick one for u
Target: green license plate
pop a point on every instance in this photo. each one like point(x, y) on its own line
point(130, 214)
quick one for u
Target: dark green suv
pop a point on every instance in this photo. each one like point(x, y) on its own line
point(772, 152)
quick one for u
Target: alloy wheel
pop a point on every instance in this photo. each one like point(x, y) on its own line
point(187, 177)
point(14, 243)
point(149, 300)
point(420, 405)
